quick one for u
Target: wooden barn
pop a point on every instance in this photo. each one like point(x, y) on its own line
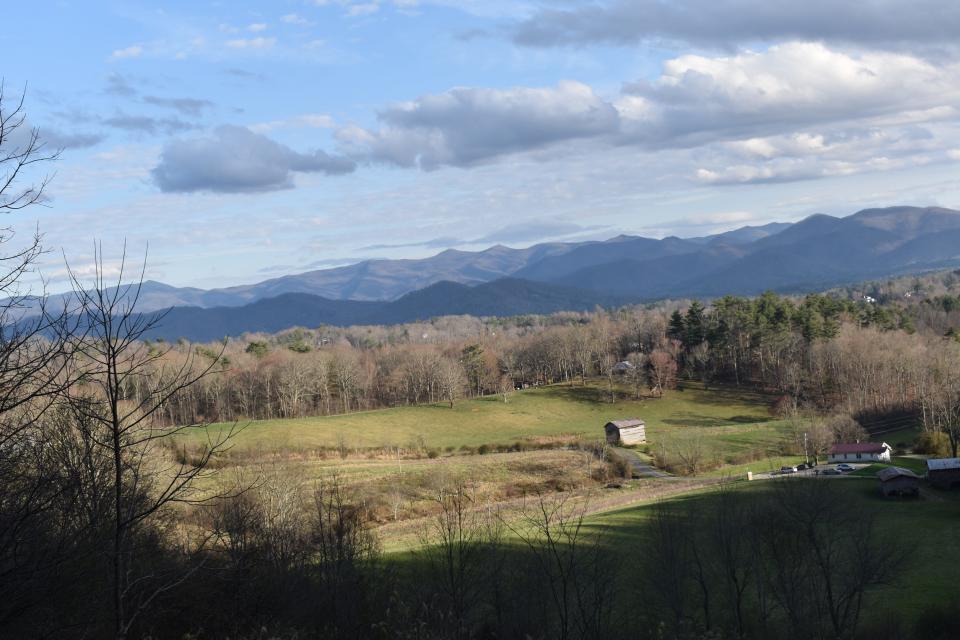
point(897, 481)
point(860, 452)
point(944, 472)
point(630, 431)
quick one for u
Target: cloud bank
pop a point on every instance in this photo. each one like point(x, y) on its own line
point(730, 22)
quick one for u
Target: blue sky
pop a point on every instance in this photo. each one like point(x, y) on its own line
point(244, 140)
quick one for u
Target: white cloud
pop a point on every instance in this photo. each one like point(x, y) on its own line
point(466, 126)
point(257, 27)
point(293, 18)
point(363, 9)
point(794, 111)
point(130, 52)
point(252, 43)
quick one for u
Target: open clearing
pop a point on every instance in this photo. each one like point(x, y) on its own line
point(738, 420)
point(397, 460)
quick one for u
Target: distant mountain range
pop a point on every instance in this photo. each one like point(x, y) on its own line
point(502, 297)
point(816, 253)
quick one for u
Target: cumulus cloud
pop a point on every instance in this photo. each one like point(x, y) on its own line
point(729, 22)
point(698, 98)
point(237, 160)
point(467, 126)
point(813, 110)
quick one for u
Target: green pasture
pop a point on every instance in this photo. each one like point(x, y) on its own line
point(736, 420)
point(925, 526)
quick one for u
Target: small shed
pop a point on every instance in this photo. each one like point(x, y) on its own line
point(860, 452)
point(897, 481)
point(629, 431)
point(944, 472)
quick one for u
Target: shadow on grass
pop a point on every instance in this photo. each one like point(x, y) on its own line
point(587, 395)
point(695, 420)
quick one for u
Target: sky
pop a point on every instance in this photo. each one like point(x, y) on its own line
point(239, 140)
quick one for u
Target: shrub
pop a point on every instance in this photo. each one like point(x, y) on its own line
point(433, 452)
point(933, 443)
point(483, 449)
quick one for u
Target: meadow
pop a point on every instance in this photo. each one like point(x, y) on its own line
point(924, 527)
point(736, 419)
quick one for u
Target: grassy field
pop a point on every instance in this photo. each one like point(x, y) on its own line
point(916, 464)
point(396, 460)
point(736, 419)
point(926, 526)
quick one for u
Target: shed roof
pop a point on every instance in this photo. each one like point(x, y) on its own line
point(891, 473)
point(942, 464)
point(860, 447)
point(628, 423)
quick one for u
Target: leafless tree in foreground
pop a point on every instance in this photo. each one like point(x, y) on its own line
point(125, 384)
point(35, 369)
point(570, 560)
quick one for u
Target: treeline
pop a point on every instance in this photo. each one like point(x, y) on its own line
point(821, 354)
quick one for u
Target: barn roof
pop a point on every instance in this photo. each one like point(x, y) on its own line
point(891, 473)
point(860, 447)
point(628, 423)
point(942, 464)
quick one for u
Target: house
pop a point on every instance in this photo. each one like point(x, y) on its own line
point(630, 431)
point(860, 452)
point(897, 481)
point(944, 472)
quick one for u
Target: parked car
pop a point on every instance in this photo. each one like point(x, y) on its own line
point(788, 469)
point(844, 467)
point(831, 472)
point(803, 466)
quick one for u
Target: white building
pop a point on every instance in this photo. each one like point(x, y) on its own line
point(860, 452)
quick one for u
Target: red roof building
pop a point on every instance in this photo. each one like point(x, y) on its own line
point(860, 452)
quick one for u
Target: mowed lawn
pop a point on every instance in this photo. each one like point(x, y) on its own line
point(735, 419)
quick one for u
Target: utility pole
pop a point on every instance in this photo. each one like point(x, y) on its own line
point(806, 457)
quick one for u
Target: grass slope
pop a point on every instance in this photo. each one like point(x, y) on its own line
point(736, 420)
point(926, 526)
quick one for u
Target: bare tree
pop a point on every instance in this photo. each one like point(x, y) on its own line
point(570, 560)
point(116, 407)
point(454, 548)
point(451, 379)
point(663, 371)
point(35, 369)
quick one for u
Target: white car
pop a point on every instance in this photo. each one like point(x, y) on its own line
point(788, 469)
point(844, 467)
